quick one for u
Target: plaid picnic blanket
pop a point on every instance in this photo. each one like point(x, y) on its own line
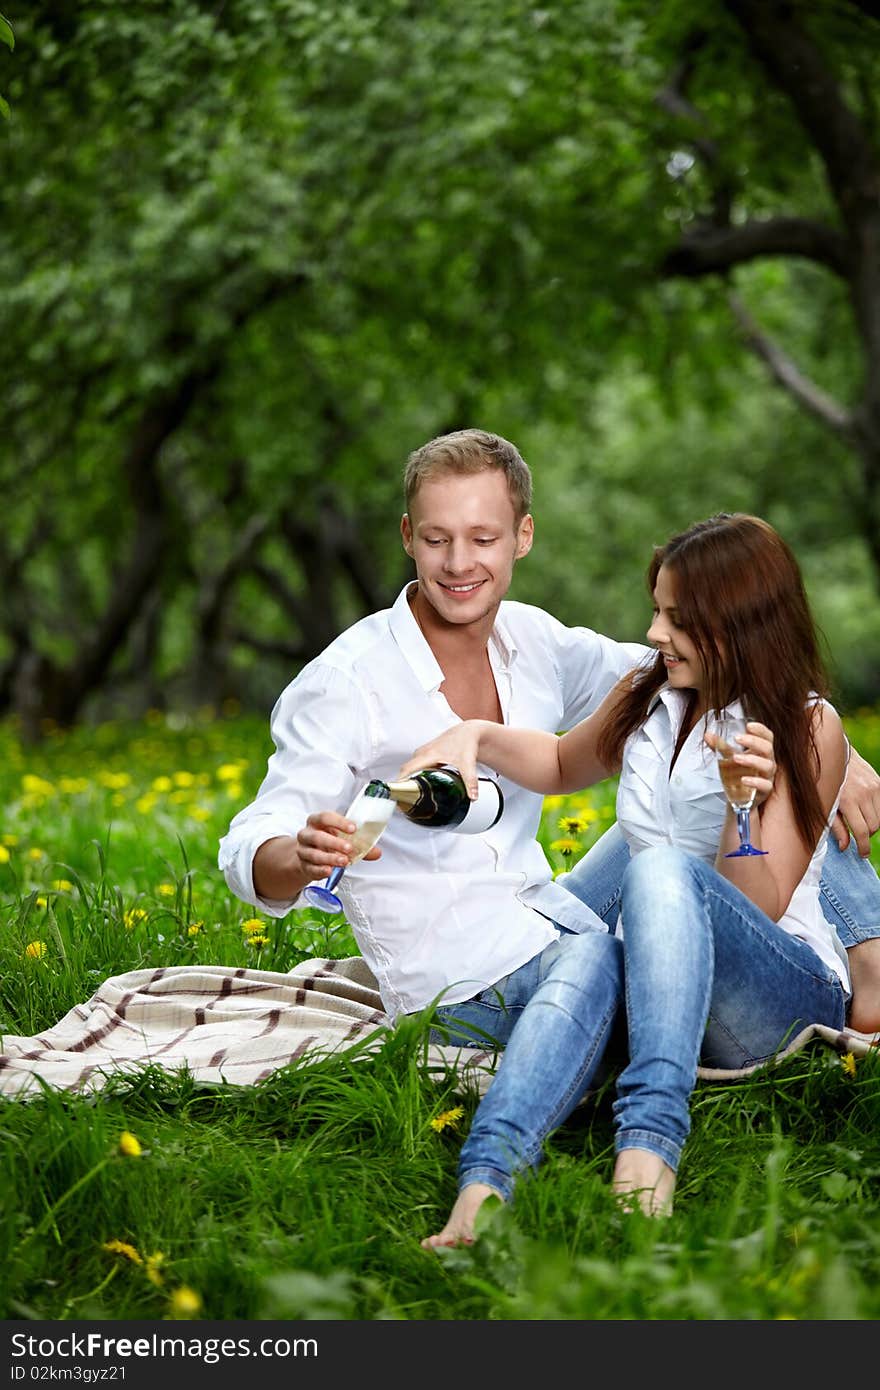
point(237, 1026)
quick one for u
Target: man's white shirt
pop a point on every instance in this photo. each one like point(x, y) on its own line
point(442, 915)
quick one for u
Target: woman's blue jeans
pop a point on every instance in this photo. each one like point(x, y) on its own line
point(553, 1016)
point(850, 887)
point(709, 977)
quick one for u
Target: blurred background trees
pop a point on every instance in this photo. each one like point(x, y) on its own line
point(254, 252)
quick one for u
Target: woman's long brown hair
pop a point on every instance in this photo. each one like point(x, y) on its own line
point(742, 603)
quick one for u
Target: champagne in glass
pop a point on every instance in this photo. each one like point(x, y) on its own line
point(739, 796)
point(371, 811)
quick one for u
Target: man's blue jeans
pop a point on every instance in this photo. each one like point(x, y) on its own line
point(709, 977)
point(850, 886)
point(553, 1016)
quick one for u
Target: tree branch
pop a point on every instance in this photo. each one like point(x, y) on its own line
point(811, 397)
point(797, 67)
point(709, 247)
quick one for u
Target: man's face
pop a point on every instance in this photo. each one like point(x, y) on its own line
point(464, 540)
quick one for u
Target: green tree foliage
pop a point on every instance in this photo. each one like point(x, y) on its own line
point(254, 253)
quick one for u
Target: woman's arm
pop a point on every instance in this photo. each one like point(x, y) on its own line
point(537, 760)
point(769, 881)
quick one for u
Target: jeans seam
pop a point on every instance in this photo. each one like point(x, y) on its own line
point(531, 1154)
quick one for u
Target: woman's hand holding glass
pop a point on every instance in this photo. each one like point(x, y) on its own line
point(747, 767)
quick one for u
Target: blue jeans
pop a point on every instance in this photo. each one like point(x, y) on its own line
point(709, 977)
point(553, 1016)
point(850, 886)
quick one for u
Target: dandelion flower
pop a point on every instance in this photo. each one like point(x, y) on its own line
point(848, 1062)
point(42, 902)
point(154, 1267)
point(35, 853)
point(252, 924)
point(573, 825)
point(162, 784)
point(194, 928)
point(129, 1144)
point(4, 855)
point(121, 1247)
point(35, 950)
point(167, 890)
point(565, 847)
point(133, 916)
point(184, 1302)
point(62, 885)
point(447, 1118)
point(257, 941)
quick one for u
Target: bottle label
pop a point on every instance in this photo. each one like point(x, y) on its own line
point(483, 813)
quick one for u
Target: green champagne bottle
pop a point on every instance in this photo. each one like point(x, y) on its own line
point(437, 798)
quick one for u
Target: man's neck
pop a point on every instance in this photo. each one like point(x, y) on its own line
point(452, 643)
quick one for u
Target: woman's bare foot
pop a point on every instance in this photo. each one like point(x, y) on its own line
point(643, 1182)
point(459, 1229)
point(864, 968)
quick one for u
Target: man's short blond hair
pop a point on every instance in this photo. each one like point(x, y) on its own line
point(466, 452)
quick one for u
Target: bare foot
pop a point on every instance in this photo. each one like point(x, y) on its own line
point(864, 968)
point(643, 1182)
point(459, 1229)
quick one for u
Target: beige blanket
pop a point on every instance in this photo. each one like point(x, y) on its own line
point(239, 1026)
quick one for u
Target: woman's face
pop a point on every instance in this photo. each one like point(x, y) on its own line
point(684, 669)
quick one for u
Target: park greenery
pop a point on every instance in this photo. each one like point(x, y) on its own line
point(306, 1195)
point(252, 253)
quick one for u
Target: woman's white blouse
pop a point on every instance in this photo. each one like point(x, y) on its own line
point(687, 809)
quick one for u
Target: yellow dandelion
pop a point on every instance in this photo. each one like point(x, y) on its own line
point(35, 853)
point(122, 1247)
point(184, 1302)
point(848, 1062)
point(447, 1118)
point(183, 779)
point(133, 916)
point(62, 885)
point(154, 1267)
point(129, 1144)
point(233, 791)
point(35, 950)
point(565, 847)
point(145, 804)
point(162, 784)
point(200, 813)
point(230, 772)
point(257, 941)
point(573, 825)
point(42, 902)
point(36, 786)
point(5, 856)
point(194, 928)
point(167, 890)
point(252, 924)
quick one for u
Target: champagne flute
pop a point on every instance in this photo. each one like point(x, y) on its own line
point(371, 811)
point(741, 798)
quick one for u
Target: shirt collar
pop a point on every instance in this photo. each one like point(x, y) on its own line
point(411, 641)
point(676, 702)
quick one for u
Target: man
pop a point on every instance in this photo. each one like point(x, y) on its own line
point(474, 922)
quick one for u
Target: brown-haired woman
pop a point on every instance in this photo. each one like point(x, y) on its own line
point(725, 957)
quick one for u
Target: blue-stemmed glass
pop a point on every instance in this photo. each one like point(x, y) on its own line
point(727, 731)
point(371, 811)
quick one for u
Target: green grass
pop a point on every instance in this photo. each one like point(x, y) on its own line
point(306, 1196)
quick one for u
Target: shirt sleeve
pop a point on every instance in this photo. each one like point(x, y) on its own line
point(321, 731)
point(588, 665)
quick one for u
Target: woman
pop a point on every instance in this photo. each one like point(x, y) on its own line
point(724, 957)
